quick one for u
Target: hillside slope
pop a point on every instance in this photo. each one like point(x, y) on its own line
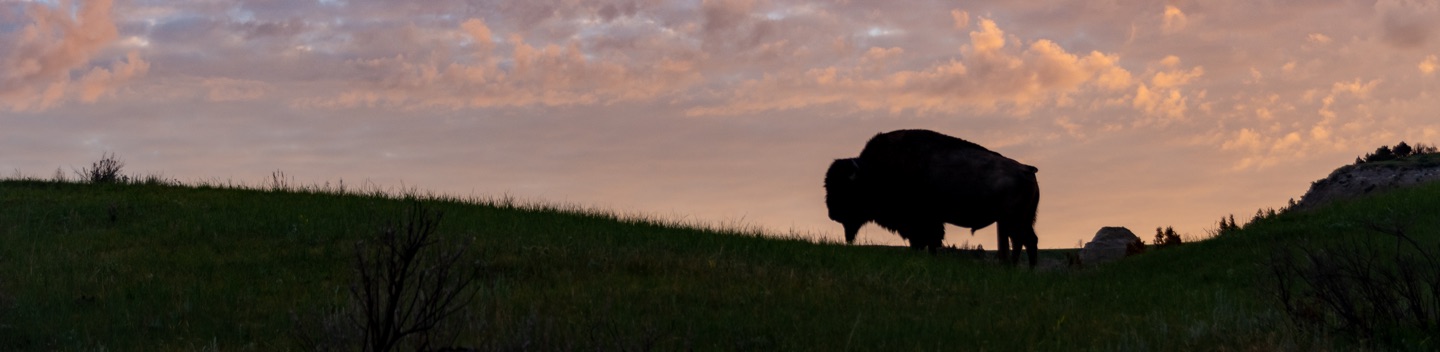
point(1356, 180)
point(157, 267)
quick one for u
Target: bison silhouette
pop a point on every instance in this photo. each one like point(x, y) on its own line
point(913, 182)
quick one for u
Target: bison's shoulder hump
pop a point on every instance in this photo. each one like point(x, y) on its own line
point(921, 139)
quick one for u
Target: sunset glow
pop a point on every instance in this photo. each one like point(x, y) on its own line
point(1137, 113)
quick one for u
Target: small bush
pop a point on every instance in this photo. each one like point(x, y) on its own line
point(1136, 247)
point(105, 170)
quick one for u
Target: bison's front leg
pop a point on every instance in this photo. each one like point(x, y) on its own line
point(928, 236)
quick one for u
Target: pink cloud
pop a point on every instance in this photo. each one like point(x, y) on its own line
point(961, 18)
point(544, 75)
point(53, 47)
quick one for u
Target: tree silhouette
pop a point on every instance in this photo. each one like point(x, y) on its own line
point(1166, 237)
point(1381, 154)
point(1402, 150)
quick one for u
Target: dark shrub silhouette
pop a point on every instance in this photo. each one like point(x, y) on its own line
point(1402, 150)
point(1381, 154)
point(1167, 237)
point(105, 170)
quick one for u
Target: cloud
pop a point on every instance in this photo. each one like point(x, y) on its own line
point(1174, 19)
point(1318, 38)
point(961, 18)
point(989, 39)
point(531, 75)
point(1407, 24)
point(879, 57)
point(1171, 79)
point(480, 33)
point(1245, 139)
point(1356, 87)
point(725, 15)
point(221, 89)
point(99, 81)
point(985, 73)
point(1429, 65)
point(57, 43)
point(1260, 151)
point(1166, 103)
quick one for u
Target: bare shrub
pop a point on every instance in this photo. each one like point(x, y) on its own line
point(405, 290)
point(1375, 292)
point(408, 286)
point(105, 170)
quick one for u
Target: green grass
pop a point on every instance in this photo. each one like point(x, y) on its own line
point(162, 267)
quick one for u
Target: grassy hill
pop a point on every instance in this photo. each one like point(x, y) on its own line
point(163, 267)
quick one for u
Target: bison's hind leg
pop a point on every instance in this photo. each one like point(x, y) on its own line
point(1019, 237)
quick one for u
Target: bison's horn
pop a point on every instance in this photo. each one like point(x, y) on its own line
point(855, 162)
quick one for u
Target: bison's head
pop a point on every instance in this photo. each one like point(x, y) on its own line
point(845, 197)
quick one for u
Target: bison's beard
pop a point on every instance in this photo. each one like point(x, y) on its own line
point(851, 229)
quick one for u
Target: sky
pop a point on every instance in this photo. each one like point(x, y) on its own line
point(1137, 113)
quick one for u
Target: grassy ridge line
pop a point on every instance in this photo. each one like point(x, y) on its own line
point(183, 268)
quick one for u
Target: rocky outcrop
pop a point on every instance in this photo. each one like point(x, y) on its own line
point(1109, 244)
point(1352, 181)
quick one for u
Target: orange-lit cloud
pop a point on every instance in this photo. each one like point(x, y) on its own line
point(53, 48)
point(984, 74)
point(1174, 19)
point(961, 18)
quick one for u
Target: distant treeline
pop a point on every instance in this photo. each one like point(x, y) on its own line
point(1386, 153)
